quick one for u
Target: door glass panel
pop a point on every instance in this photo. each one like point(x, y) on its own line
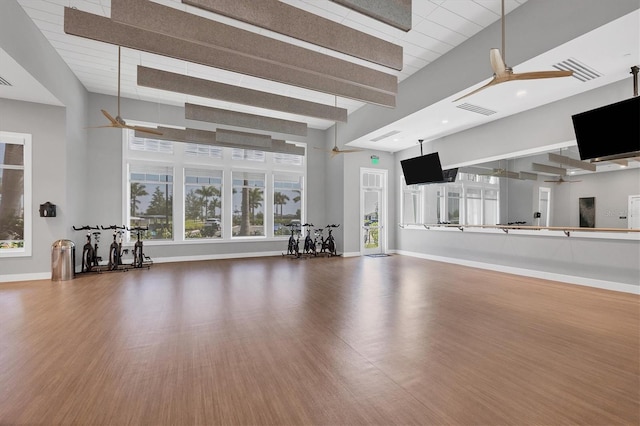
point(370, 220)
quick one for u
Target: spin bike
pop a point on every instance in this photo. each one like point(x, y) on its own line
point(139, 257)
point(330, 243)
point(115, 250)
point(90, 258)
point(293, 246)
point(309, 243)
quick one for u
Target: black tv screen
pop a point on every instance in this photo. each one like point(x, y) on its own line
point(423, 169)
point(450, 175)
point(609, 130)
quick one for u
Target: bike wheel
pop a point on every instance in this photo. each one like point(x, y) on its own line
point(332, 248)
point(87, 258)
point(113, 257)
point(137, 256)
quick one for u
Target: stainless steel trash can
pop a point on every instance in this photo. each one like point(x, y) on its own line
point(63, 260)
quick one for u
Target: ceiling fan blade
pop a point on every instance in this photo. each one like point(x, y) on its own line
point(110, 118)
point(494, 81)
point(497, 63)
point(540, 74)
point(100, 127)
point(346, 151)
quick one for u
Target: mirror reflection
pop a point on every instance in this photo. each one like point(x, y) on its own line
point(552, 188)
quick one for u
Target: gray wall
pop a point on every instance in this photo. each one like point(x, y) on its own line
point(59, 136)
point(46, 124)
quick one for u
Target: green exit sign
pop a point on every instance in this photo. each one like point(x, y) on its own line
point(375, 159)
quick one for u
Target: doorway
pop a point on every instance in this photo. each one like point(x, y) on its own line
point(544, 206)
point(373, 214)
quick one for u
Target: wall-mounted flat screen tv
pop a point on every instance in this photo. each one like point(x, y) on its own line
point(423, 169)
point(608, 131)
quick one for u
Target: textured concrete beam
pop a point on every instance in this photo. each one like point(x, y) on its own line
point(240, 119)
point(396, 13)
point(164, 80)
point(186, 26)
point(103, 29)
point(297, 23)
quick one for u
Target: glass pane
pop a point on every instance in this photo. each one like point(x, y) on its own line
point(11, 154)
point(248, 204)
point(11, 207)
point(203, 204)
point(453, 206)
point(287, 202)
point(490, 212)
point(370, 219)
point(199, 150)
point(151, 201)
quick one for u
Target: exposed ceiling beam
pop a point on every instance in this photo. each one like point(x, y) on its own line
point(563, 159)
point(543, 168)
point(240, 119)
point(297, 23)
point(528, 176)
point(206, 137)
point(396, 13)
point(95, 27)
point(164, 80)
point(186, 26)
point(253, 140)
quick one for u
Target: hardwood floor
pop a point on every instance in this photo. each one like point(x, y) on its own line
point(332, 341)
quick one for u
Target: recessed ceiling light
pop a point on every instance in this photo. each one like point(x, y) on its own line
point(521, 93)
point(445, 121)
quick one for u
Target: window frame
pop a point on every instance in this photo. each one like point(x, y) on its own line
point(181, 161)
point(24, 139)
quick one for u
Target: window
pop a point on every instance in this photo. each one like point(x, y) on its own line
point(248, 204)
point(202, 203)
point(470, 200)
point(411, 204)
point(473, 198)
point(287, 202)
point(151, 200)
point(15, 194)
point(199, 193)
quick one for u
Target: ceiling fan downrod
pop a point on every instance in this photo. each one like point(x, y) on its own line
point(634, 71)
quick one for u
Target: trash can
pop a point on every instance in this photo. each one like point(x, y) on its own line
point(63, 260)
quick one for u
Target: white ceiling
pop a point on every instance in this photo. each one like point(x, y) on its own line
point(438, 26)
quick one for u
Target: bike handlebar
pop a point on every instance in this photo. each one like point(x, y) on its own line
point(138, 228)
point(84, 228)
point(113, 227)
point(333, 225)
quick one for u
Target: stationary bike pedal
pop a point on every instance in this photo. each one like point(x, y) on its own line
point(99, 258)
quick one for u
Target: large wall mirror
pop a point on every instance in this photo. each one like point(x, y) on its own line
point(551, 188)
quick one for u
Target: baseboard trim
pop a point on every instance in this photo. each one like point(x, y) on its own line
point(25, 277)
point(351, 254)
point(216, 256)
point(569, 279)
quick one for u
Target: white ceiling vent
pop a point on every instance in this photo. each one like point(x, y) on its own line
point(580, 70)
point(386, 135)
point(4, 82)
point(477, 109)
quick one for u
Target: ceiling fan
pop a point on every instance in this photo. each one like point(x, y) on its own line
point(562, 180)
point(335, 150)
point(118, 122)
point(502, 73)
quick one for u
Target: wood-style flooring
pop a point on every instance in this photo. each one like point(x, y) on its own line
point(326, 341)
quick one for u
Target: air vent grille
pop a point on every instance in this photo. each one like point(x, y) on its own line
point(477, 109)
point(4, 82)
point(386, 135)
point(580, 71)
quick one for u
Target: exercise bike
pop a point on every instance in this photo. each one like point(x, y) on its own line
point(293, 245)
point(330, 244)
point(90, 258)
point(115, 250)
point(139, 258)
point(309, 243)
